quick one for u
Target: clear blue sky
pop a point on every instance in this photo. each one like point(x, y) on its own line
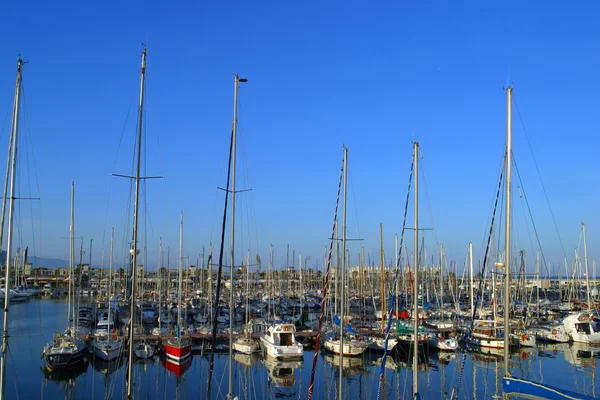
point(372, 77)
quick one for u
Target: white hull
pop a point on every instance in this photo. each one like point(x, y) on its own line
point(108, 349)
point(245, 345)
point(279, 342)
point(350, 347)
point(582, 328)
point(446, 344)
point(378, 343)
point(527, 340)
point(143, 350)
point(556, 335)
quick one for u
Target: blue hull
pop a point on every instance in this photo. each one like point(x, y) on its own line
point(533, 390)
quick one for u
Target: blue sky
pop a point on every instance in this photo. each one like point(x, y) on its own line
point(372, 77)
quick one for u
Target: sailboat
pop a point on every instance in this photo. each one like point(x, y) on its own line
point(67, 351)
point(245, 344)
point(340, 344)
point(515, 386)
point(179, 347)
point(110, 347)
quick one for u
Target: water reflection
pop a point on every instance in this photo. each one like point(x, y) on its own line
point(107, 367)
point(281, 372)
point(350, 365)
point(64, 375)
point(247, 360)
point(177, 369)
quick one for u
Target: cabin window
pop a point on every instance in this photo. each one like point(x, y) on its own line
point(583, 328)
point(286, 339)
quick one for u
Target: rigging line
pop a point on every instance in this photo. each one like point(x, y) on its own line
point(249, 200)
point(393, 290)
point(4, 122)
point(532, 222)
point(318, 339)
point(220, 272)
point(479, 290)
point(522, 194)
point(121, 138)
point(429, 209)
point(354, 202)
point(28, 148)
point(490, 213)
point(540, 176)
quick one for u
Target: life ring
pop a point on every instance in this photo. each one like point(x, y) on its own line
point(285, 328)
point(591, 317)
point(554, 331)
point(524, 337)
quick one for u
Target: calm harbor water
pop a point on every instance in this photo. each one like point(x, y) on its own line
point(33, 324)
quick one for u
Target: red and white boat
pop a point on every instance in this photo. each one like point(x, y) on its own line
point(177, 349)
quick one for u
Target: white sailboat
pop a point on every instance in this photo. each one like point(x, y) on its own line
point(111, 346)
point(246, 344)
point(68, 351)
point(340, 344)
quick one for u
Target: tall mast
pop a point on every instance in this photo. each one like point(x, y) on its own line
point(110, 265)
point(383, 309)
point(11, 211)
point(397, 305)
point(587, 272)
point(342, 299)
point(180, 274)
point(471, 280)
point(236, 85)
point(71, 255)
point(134, 251)
point(442, 276)
point(416, 274)
point(507, 260)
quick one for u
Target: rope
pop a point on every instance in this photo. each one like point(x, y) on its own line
point(537, 237)
point(540, 176)
point(316, 355)
point(393, 290)
point(479, 289)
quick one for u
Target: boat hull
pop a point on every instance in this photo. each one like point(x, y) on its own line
point(532, 390)
point(350, 348)
point(66, 361)
point(177, 351)
point(108, 350)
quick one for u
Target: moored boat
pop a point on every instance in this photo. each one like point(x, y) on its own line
point(279, 341)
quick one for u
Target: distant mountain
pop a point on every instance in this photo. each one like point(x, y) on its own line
point(39, 262)
point(50, 263)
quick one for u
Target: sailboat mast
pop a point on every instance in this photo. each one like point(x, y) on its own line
point(236, 85)
point(180, 273)
point(11, 211)
point(343, 296)
point(587, 272)
point(110, 266)
point(416, 275)
point(471, 280)
point(507, 260)
point(134, 250)
point(71, 299)
point(383, 309)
